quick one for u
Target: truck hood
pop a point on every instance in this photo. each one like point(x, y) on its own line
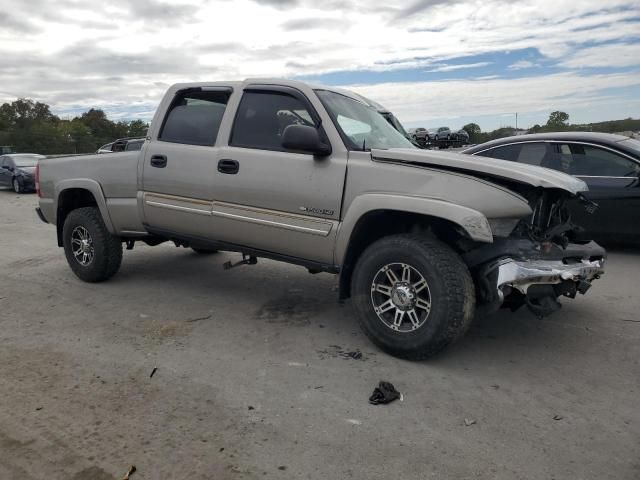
point(520, 172)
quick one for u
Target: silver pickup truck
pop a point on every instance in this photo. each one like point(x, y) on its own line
point(316, 177)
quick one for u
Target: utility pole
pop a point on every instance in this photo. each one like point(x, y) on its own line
point(516, 120)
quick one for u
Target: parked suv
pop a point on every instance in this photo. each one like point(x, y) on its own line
point(316, 177)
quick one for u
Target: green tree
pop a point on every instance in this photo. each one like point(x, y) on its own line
point(474, 131)
point(137, 128)
point(557, 120)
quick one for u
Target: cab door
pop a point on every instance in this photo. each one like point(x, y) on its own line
point(270, 198)
point(614, 184)
point(180, 164)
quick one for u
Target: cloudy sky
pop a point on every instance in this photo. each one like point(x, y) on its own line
point(432, 62)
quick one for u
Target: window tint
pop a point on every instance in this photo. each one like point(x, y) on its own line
point(532, 153)
point(586, 160)
point(262, 118)
point(132, 146)
point(508, 152)
point(194, 118)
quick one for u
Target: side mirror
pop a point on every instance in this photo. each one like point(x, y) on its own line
point(304, 138)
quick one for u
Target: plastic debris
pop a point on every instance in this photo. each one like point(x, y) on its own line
point(558, 417)
point(130, 472)
point(384, 393)
point(469, 421)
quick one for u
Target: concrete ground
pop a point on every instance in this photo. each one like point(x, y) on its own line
point(253, 380)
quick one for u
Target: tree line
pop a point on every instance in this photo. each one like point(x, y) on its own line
point(29, 126)
point(558, 122)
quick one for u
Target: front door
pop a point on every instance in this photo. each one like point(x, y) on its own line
point(614, 184)
point(180, 164)
point(274, 199)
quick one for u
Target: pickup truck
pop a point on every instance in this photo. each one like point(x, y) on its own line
point(316, 177)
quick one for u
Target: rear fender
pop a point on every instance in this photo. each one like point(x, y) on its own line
point(94, 188)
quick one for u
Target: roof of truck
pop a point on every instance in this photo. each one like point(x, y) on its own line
point(277, 81)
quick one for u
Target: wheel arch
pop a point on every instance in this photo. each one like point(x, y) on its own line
point(73, 194)
point(376, 218)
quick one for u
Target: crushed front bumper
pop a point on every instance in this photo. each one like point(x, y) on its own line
point(535, 275)
point(521, 275)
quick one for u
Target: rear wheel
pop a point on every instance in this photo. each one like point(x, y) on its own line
point(92, 252)
point(413, 295)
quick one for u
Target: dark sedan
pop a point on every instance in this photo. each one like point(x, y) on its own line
point(608, 164)
point(17, 171)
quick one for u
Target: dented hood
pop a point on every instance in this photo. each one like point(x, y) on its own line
point(520, 172)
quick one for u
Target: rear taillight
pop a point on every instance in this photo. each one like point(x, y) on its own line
point(37, 176)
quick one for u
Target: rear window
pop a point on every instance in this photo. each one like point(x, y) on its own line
point(195, 117)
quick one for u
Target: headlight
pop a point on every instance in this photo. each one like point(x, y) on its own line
point(502, 227)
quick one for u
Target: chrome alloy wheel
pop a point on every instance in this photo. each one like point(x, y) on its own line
point(82, 246)
point(401, 297)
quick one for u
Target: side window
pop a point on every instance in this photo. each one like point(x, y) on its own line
point(194, 118)
point(508, 152)
point(587, 160)
point(262, 118)
point(133, 146)
point(533, 153)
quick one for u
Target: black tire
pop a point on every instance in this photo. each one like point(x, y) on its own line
point(204, 251)
point(450, 287)
point(15, 183)
point(107, 248)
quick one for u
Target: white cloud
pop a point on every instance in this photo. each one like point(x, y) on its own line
point(418, 101)
point(451, 68)
point(522, 64)
point(112, 54)
point(611, 55)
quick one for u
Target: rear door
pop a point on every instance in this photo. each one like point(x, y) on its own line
point(180, 164)
point(613, 180)
point(271, 198)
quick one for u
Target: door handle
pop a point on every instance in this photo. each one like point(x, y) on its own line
point(230, 167)
point(159, 161)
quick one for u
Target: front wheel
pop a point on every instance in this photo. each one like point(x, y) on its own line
point(413, 295)
point(92, 252)
point(16, 185)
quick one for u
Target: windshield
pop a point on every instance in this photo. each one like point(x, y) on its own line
point(362, 127)
point(26, 161)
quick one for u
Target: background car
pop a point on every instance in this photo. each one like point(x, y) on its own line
point(440, 133)
point(609, 164)
point(418, 134)
point(17, 171)
point(460, 136)
point(123, 145)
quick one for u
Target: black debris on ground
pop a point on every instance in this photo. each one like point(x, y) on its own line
point(558, 417)
point(336, 351)
point(155, 369)
point(384, 393)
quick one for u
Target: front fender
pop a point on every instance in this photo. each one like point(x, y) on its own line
point(93, 187)
point(473, 222)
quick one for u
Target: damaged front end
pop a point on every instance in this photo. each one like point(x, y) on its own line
point(538, 261)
